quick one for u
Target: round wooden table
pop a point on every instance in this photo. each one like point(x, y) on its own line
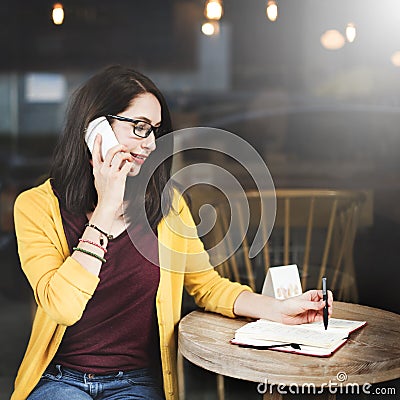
point(371, 354)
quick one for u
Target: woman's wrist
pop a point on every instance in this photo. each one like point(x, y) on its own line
point(103, 217)
point(256, 305)
point(106, 210)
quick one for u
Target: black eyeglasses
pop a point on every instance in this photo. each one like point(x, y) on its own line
point(141, 129)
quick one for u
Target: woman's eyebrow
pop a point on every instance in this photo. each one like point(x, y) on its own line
point(145, 119)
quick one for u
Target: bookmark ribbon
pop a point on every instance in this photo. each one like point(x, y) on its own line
point(272, 346)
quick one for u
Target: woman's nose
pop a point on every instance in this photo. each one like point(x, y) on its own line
point(149, 143)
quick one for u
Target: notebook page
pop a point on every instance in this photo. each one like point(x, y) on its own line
point(274, 331)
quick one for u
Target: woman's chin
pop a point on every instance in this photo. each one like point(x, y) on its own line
point(134, 170)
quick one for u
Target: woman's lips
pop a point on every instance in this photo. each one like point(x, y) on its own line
point(139, 158)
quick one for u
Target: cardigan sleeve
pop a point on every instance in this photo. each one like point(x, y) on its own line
point(61, 286)
point(214, 293)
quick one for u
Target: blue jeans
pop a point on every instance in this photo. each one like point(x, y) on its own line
point(59, 383)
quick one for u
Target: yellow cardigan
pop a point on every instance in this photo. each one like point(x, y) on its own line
point(62, 287)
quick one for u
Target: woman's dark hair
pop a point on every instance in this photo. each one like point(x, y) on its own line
point(108, 92)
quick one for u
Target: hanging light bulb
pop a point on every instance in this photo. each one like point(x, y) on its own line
point(58, 14)
point(351, 32)
point(395, 58)
point(272, 10)
point(214, 10)
point(332, 39)
point(210, 28)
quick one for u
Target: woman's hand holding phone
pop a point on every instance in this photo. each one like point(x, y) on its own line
point(110, 175)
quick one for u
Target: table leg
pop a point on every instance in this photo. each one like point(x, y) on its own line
point(220, 387)
point(181, 376)
point(272, 396)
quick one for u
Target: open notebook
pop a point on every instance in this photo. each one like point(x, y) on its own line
point(309, 339)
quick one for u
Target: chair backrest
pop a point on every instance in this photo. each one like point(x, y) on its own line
point(314, 229)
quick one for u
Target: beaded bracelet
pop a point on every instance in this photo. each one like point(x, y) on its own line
point(99, 246)
point(89, 253)
point(108, 236)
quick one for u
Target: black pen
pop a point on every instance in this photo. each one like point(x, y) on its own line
point(325, 297)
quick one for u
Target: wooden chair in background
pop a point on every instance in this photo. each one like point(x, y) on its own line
point(314, 229)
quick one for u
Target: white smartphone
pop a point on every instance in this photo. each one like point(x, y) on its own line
point(100, 126)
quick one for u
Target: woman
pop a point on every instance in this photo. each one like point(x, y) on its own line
point(106, 315)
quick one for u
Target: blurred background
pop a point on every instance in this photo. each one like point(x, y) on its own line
point(313, 85)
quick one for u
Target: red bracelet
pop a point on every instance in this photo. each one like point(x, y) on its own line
point(94, 244)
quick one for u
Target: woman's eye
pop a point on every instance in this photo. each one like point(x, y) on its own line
point(141, 127)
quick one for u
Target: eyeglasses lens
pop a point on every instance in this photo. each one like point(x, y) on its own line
point(142, 129)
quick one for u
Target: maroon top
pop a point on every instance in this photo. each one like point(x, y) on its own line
point(118, 330)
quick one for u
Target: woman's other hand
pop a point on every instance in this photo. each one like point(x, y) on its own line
point(305, 308)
